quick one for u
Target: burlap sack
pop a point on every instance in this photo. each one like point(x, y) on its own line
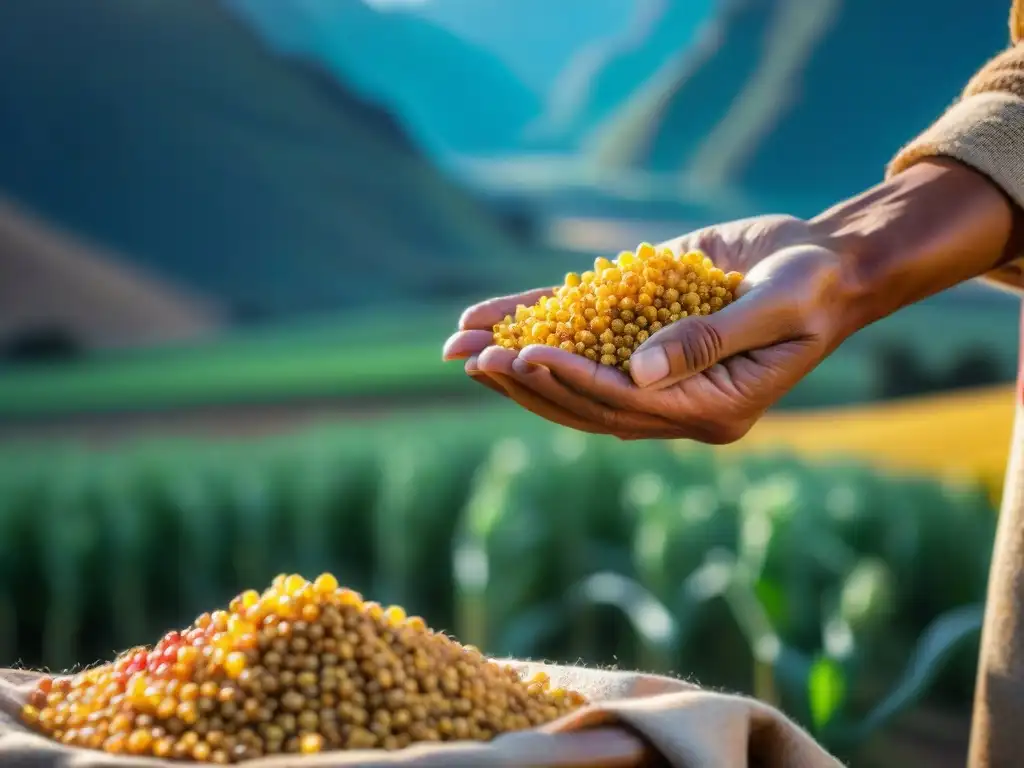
point(636, 720)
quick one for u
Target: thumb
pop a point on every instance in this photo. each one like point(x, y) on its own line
point(694, 344)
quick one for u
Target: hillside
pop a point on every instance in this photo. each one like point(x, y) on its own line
point(602, 75)
point(168, 132)
point(451, 93)
point(501, 26)
point(57, 290)
point(782, 100)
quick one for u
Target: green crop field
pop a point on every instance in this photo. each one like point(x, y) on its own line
point(395, 352)
point(528, 541)
point(338, 357)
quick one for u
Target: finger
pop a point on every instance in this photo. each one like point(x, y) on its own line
point(482, 378)
point(497, 364)
point(694, 344)
point(545, 409)
point(488, 313)
point(619, 422)
point(602, 382)
point(464, 344)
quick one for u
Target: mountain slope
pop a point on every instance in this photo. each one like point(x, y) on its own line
point(453, 94)
point(168, 132)
point(551, 39)
point(787, 104)
point(53, 284)
point(603, 74)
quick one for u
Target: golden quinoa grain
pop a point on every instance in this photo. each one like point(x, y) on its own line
point(606, 313)
point(302, 668)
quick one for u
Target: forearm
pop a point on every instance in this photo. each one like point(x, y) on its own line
point(920, 232)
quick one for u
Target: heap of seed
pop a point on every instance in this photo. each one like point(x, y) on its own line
point(606, 313)
point(302, 668)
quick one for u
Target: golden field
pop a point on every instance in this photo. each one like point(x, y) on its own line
point(963, 435)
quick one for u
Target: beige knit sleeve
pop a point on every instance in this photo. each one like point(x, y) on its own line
point(985, 130)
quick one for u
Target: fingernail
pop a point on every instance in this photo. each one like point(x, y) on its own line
point(649, 366)
point(446, 349)
point(522, 366)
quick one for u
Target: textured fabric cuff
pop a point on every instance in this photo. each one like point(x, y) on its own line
point(986, 132)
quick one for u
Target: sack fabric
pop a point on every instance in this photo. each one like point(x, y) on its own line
point(656, 721)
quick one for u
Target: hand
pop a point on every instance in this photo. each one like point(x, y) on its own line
point(705, 378)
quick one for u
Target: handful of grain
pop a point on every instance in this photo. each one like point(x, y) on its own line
point(302, 668)
point(606, 313)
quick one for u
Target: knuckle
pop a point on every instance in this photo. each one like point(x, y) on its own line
point(608, 419)
point(616, 422)
point(747, 390)
point(698, 346)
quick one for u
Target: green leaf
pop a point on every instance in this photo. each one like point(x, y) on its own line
point(937, 644)
point(868, 595)
point(773, 598)
point(826, 690)
point(751, 617)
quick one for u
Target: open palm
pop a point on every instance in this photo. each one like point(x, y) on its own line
point(721, 372)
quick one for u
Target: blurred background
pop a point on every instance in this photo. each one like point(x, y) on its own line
point(234, 234)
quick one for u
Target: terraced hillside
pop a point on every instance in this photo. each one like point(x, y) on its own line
point(60, 297)
point(168, 132)
point(451, 93)
point(789, 100)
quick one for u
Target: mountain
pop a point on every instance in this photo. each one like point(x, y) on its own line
point(452, 94)
point(472, 77)
point(802, 103)
point(586, 60)
point(166, 131)
point(532, 41)
point(601, 75)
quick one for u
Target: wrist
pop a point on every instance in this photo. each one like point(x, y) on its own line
point(934, 226)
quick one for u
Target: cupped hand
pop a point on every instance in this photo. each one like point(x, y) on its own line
point(705, 378)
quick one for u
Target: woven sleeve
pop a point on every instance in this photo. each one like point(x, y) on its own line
point(985, 130)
